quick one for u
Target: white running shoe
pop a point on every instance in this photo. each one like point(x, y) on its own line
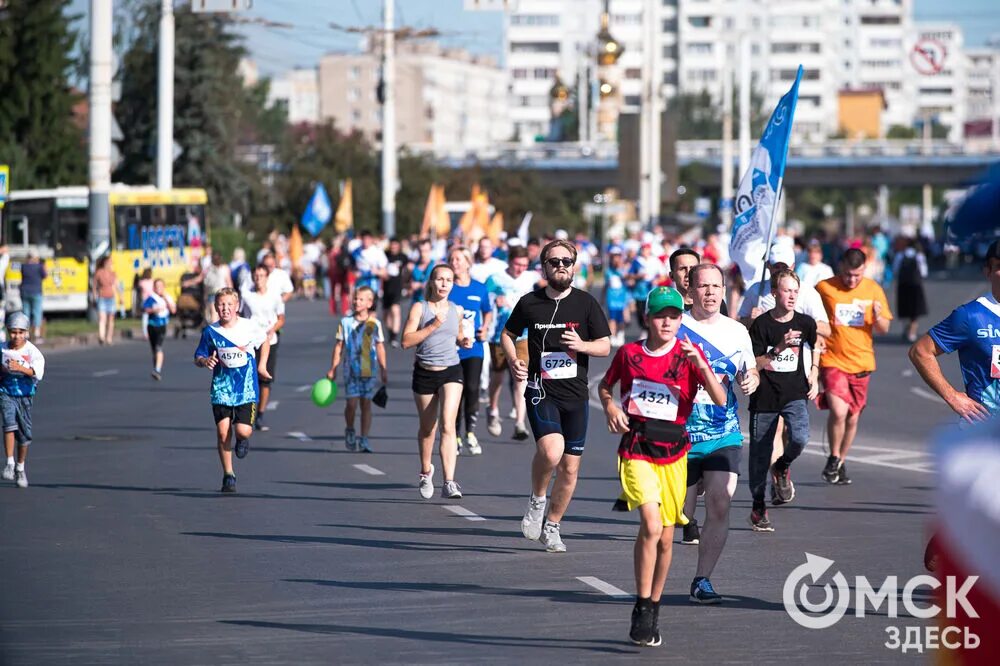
point(8, 472)
point(451, 490)
point(550, 538)
point(22, 478)
point(427, 484)
point(458, 445)
point(493, 426)
point(513, 413)
point(531, 524)
point(472, 442)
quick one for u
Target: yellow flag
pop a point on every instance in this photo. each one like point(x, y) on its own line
point(496, 227)
point(442, 224)
point(430, 210)
point(295, 245)
point(344, 218)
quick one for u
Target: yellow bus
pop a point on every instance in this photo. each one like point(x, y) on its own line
point(161, 230)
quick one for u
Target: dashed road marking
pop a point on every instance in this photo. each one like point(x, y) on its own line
point(273, 405)
point(301, 436)
point(908, 372)
point(463, 512)
point(884, 460)
point(368, 469)
point(606, 588)
point(303, 388)
point(104, 373)
point(927, 395)
point(319, 338)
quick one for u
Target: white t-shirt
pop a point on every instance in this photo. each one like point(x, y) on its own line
point(264, 309)
point(485, 270)
point(279, 282)
point(811, 274)
point(809, 302)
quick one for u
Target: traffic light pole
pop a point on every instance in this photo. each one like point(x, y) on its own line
point(99, 171)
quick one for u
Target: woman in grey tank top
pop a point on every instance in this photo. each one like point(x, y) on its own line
point(433, 328)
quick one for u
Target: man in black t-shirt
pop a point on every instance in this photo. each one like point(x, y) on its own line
point(779, 337)
point(392, 290)
point(566, 327)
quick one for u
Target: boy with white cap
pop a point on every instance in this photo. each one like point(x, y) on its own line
point(21, 369)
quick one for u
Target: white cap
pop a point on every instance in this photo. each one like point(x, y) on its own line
point(782, 253)
point(561, 234)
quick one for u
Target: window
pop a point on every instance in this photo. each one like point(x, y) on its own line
point(885, 43)
point(670, 78)
point(794, 47)
point(935, 91)
point(879, 20)
point(626, 19)
point(633, 73)
point(353, 73)
point(789, 74)
point(519, 73)
point(549, 20)
point(670, 52)
point(670, 25)
point(632, 100)
point(809, 100)
point(700, 21)
point(544, 73)
point(534, 47)
point(355, 116)
point(881, 64)
point(699, 48)
point(669, 3)
point(353, 94)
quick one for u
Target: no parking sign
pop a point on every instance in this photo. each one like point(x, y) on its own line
point(928, 56)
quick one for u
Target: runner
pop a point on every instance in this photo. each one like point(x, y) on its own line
point(566, 327)
point(361, 340)
point(786, 385)
point(485, 264)
point(660, 377)
point(267, 310)
point(434, 327)
point(616, 296)
point(370, 263)
point(714, 431)
point(645, 271)
point(229, 348)
point(393, 290)
point(508, 288)
point(158, 307)
point(814, 270)
point(856, 306)
point(278, 279)
point(23, 366)
point(474, 301)
point(420, 271)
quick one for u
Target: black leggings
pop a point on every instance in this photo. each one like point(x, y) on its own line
point(472, 370)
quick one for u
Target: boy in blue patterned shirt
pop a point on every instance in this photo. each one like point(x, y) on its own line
point(22, 368)
point(229, 348)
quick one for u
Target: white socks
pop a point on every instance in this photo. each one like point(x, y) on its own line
point(19, 467)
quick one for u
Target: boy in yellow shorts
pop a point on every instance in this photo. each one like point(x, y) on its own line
point(660, 377)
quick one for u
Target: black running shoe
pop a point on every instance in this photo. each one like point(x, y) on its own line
point(229, 483)
point(760, 522)
point(656, 639)
point(832, 470)
point(782, 488)
point(643, 627)
point(842, 478)
point(242, 448)
point(620, 505)
point(691, 535)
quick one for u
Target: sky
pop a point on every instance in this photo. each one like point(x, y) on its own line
point(277, 50)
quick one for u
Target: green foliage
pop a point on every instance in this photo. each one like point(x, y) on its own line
point(901, 132)
point(699, 117)
point(38, 137)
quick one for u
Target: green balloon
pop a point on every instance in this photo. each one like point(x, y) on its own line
point(324, 392)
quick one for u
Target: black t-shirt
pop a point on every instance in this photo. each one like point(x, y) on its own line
point(396, 267)
point(547, 322)
point(785, 379)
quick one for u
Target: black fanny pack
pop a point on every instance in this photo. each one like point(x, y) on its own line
point(661, 432)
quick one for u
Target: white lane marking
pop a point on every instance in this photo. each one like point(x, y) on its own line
point(303, 388)
point(319, 338)
point(921, 467)
point(908, 372)
point(301, 436)
point(368, 469)
point(104, 373)
point(924, 393)
point(606, 588)
point(273, 405)
point(900, 455)
point(463, 512)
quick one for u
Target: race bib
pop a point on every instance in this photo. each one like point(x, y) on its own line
point(614, 282)
point(995, 363)
point(558, 365)
point(233, 357)
point(392, 269)
point(13, 355)
point(653, 401)
point(849, 314)
point(786, 361)
point(703, 398)
point(469, 324)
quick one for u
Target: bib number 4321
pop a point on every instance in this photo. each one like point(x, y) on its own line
point(653, 400)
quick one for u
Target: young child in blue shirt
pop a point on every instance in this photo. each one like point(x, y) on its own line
point(21, 370)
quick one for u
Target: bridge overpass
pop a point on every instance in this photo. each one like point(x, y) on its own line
point(848, 164)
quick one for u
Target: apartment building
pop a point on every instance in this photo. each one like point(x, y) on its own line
point(876, 41)
point(937, 64)
point(982, 83)
point(298, 92)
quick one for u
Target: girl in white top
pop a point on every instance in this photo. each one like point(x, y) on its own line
point(267, 309)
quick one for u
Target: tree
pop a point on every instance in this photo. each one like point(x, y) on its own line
point(700, 116)
point(38, 136)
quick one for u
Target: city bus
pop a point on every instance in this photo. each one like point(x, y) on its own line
point(150, 228)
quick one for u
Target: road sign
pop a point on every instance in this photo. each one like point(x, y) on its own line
point(928, 56)
point(206, 6)
point(4, 183)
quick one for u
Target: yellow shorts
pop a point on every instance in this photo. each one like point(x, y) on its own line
point(644, 482)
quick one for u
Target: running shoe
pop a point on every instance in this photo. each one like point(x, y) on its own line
point(842, 478)
point(782, 488)
point(21, 478)
point(472, 442)
point(760, 522)
point(350, 441)
point(513, 413)
point(8, 472)
point(520, 432)
point(702, 592)
point(643, 630)
point(155, 374)
point(656, 640)
point(831, 472)
point(531, 524)
point(242, 448)
point(394, 344)
point(550, 538)
point(458, 445)
point(258, 423)
point(229, 483)
point(451, 490)
point(363, 444)
point(493, 426)
point(691, 535)
point(426, 484)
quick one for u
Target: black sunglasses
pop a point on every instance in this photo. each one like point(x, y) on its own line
point(556, 262)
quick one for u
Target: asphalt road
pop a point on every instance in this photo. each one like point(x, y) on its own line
point(123, 550)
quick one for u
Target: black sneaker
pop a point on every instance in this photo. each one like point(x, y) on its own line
point(832, 470)
point(702, 592)
point(620, 505)
point(842, 478)
point(691, 535)
point(229, 483)
point(643, 630)
point(782, 488)
point(258, 424)
point(242, 448)
point(760, 522)
point(656, 639)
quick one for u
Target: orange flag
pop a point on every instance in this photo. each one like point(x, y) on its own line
point(430, 213)
point(442, 222)
point(295, 245)
point(496, 227)
point(344, 219)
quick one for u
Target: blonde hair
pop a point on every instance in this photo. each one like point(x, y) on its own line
point(227, 291)
point(464, 251)
point(365, 288)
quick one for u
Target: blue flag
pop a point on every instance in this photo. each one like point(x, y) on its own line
point(758, 194)
point(319, 211)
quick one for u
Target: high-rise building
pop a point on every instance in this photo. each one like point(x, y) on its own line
point(937, 64)
point(876, 39)
point(298, 92)
point(982, 83)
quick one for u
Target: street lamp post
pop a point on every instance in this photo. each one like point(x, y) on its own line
point(390, 165)
point(99, 171)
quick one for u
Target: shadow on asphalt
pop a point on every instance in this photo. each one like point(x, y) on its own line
point(351, 486)
point(363, 543)
point(470, 531)
point(729, 601)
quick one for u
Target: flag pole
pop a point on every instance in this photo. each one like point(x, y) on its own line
point(770, 239)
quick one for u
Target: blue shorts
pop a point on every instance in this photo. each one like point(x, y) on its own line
point(16, 413)
point(106, 305)
point(550, 417)
point(360, 387)
point(616, 315)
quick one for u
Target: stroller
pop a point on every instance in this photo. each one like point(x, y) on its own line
point(190, 307)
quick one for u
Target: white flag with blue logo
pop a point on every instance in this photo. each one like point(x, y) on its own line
point(758, 194)
point(319, 211)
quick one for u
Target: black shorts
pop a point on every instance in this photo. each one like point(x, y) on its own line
point(429, 382)
point(549, 417)
point(391, 297)
point(726, 459)
point(272, 364)
point(245, 413)
point(157, 334)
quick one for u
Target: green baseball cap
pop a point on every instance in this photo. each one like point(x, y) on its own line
point(662, 298)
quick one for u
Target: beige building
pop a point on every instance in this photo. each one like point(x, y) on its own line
point(445, 98)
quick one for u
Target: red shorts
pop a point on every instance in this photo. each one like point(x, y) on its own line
point(851, 388)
